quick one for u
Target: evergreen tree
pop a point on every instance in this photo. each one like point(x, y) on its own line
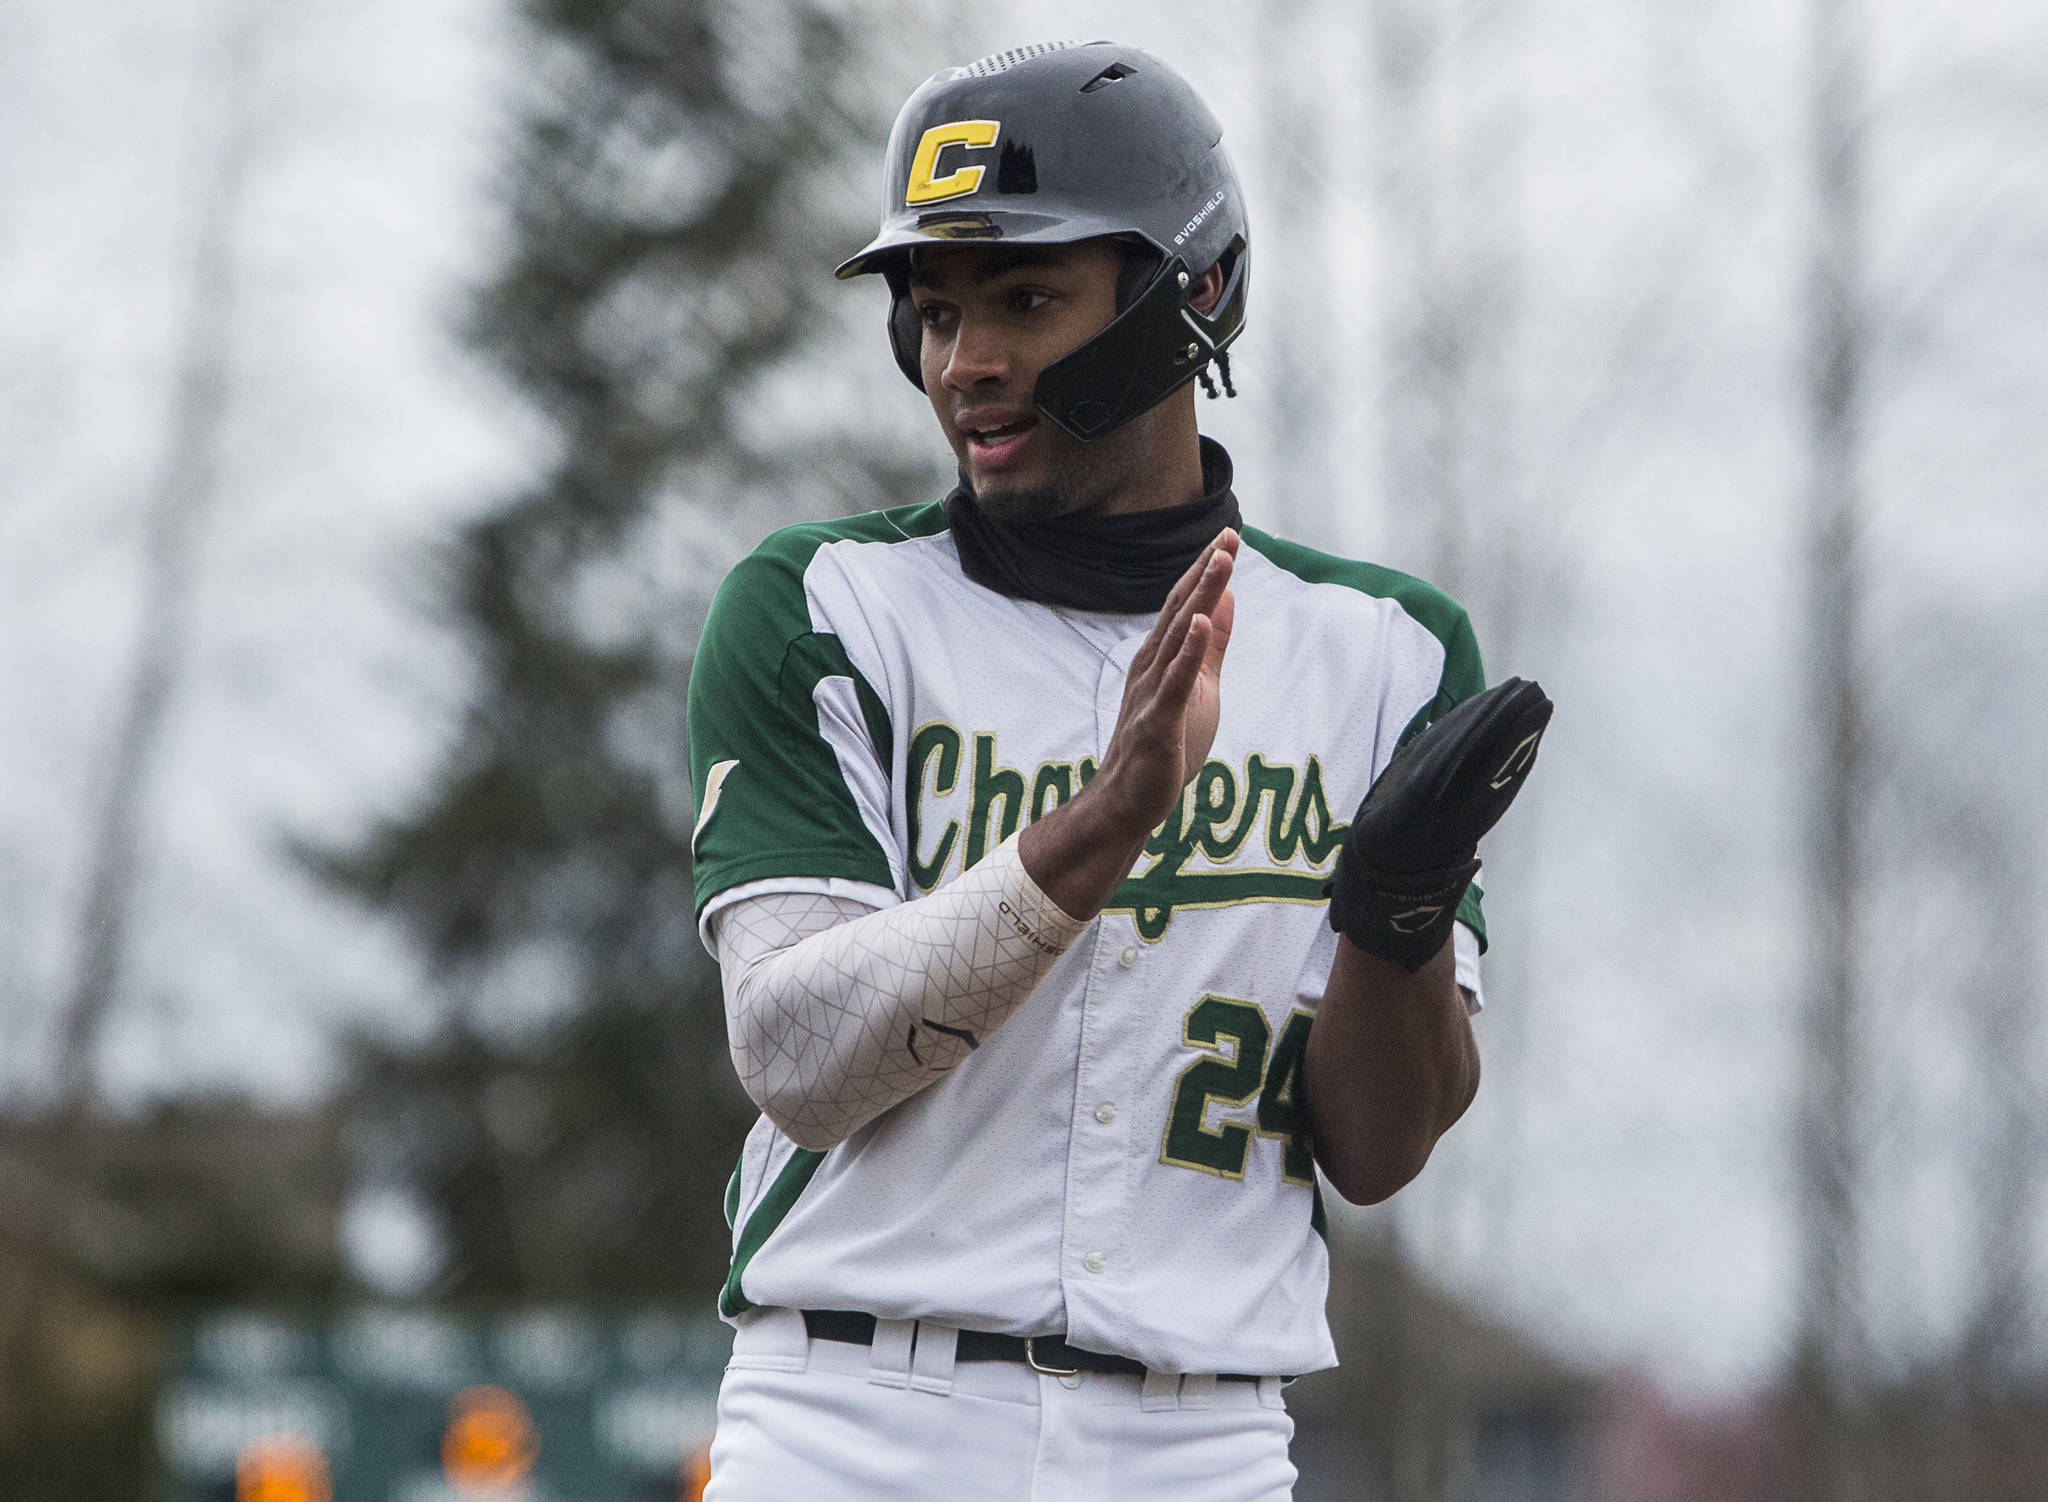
point(685, 175)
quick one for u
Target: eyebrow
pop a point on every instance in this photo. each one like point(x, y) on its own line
point(994, 262)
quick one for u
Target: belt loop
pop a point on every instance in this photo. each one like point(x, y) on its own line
point(1161, 1393)
point(931, 1366)
point(889, 1363)
point(1198, 1390)
point(1269, 1393)
point(771, 1339)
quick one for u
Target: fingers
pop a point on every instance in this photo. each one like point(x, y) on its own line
point(1175, 608)
point(1226, 542)
point(1197, 593)
point(1221, 619)
point(1165, 718)
point(1185, 665)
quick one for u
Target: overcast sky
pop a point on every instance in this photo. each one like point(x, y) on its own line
point(1633, 171)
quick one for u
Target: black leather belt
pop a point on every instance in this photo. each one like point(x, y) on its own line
point(1042, 1353)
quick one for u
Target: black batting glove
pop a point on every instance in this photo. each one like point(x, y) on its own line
point(1414, 842)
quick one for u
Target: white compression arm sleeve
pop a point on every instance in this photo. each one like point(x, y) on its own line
point(833, 1018)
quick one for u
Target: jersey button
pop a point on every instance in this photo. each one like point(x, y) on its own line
point(1128, 958)
point(1106, 1112)
point(1095, 1262)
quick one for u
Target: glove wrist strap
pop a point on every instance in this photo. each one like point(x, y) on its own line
point(1402, 916)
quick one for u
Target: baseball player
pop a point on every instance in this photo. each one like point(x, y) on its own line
point(1049, 954)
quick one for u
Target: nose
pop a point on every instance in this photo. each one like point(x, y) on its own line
point(977, 356)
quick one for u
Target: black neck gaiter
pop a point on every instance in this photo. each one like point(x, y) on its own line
point(1126, 563)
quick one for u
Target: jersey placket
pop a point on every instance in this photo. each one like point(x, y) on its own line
point(1104, 1125)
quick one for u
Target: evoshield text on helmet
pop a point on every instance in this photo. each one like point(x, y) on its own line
point(1065, 141)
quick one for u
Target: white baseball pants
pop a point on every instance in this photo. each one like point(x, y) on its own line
point(802, 1420)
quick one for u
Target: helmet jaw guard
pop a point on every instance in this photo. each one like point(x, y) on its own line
point(1054, 144)
point(1149, 351)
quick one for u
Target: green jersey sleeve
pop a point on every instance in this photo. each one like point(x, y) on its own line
point(766, 748)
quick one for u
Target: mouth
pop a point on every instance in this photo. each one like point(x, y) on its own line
point(994, 445)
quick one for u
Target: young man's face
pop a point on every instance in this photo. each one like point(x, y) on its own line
point(993, 318)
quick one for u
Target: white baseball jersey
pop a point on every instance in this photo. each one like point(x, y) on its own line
point(1123, 1161)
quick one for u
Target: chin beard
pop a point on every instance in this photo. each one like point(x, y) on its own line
point(1084, 483)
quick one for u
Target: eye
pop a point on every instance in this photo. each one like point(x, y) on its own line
point(933, 314)
point(1028, 299)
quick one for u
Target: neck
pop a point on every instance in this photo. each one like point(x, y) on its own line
point(1169, 467)
point(1120, 561)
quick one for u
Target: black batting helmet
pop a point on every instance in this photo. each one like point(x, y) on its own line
point(1066, 141)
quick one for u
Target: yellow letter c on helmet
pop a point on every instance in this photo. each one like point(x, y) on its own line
point(973, 135)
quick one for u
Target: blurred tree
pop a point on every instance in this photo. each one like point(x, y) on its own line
point(110, 1226)
point(677, 191)
point(1832, 1344)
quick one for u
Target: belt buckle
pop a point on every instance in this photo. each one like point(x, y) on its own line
point(1031, 1359)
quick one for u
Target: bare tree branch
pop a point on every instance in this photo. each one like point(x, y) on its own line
point(181, 498)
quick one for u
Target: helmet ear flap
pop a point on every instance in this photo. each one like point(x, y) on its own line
point(1140, 264)
point(906, 332)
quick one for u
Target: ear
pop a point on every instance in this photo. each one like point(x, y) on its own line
point(1207, 288)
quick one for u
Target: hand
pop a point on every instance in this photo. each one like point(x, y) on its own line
point(1081, 851)
point(1173, 693)
point(1414, 842)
